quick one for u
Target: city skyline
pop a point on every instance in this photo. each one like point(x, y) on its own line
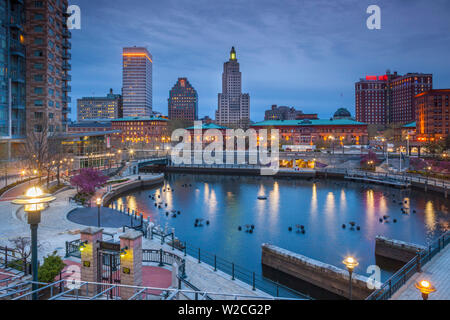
point(314, 72)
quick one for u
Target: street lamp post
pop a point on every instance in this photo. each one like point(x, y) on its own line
point(351, 264)
point(99, 204)
point(34, 202)
point(425, 287)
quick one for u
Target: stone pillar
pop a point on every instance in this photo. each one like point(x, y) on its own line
point(131, 262)
point(89, 257)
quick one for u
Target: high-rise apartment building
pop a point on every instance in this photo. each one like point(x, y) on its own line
point(183, 101)
point(34, 67)
point(433, 115)
point(48, 65)
point(389, 98)
point(137, 82)
point(233, 105)
point(12, 77)
point(98, 108)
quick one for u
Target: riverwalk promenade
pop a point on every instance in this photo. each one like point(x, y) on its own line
point(437, 272)
point(55, 229)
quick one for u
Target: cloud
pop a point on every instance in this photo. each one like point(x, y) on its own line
point(292, 52)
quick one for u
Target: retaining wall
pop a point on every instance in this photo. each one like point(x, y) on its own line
point(322, 275)
point(396, 249)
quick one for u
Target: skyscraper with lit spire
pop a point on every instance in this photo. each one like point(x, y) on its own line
point(233, 105)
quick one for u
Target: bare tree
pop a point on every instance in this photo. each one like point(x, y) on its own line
point(22, 246)
point(43, 150)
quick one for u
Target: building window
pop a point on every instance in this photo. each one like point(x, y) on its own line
point(38, 17)
point(38, 103)
point(38, 90)
point(39, 4)
point(37, 128)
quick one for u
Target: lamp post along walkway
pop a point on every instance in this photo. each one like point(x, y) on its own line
point(34, 202)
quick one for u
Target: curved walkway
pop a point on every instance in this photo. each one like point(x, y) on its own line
point(19, 190)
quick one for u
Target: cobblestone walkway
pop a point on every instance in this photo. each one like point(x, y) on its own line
point(437, 271)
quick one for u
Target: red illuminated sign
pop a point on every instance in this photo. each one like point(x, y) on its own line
point(375, 78)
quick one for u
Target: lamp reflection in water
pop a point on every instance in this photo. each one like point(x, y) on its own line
point(34, 201)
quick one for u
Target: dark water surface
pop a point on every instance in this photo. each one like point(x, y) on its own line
point(228, 202)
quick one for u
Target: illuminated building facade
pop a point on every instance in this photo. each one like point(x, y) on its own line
point(389, 98)
point(433, 115)
point(309, 132)
point(109, 107)
point(183, 101)
point(233, 105)
point(144, 132)
point(137, 82)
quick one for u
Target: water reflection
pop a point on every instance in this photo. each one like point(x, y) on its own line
point(230, 202)
point(430, 218)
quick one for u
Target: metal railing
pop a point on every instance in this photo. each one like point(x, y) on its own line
point(165, 258)
point(73, 248)
point(399, 279)
point(237, 272)
point(401, 177)
point(76, 290)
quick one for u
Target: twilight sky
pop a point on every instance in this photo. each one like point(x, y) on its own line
point(302, 53)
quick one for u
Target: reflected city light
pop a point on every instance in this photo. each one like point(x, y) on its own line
point(314, 199)
point(343, 202)
point(275, 200)
point(430, 216)
point(370, 203)
point(330, 206)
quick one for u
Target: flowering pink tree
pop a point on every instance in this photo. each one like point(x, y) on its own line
point(88, 180)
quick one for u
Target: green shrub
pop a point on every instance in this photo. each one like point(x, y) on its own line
point(16, 264)
point(52, 267)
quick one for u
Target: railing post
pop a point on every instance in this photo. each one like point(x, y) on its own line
point(161, 258)
point(185, 249)
point(254, 282)
point(232, 275)
point(419, 262)
point(173, 242)
point(67, 250)
point(215, 263)
point(6, 256)
point(390, 288)
point(199, 255)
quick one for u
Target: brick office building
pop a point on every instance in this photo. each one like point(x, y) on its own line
point(287, 113)
point(183, 101)
point(142, 131)
point(433, 115)
point(389, 98)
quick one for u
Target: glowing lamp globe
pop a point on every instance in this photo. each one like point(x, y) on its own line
point(34, 200)
point(351, 263)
